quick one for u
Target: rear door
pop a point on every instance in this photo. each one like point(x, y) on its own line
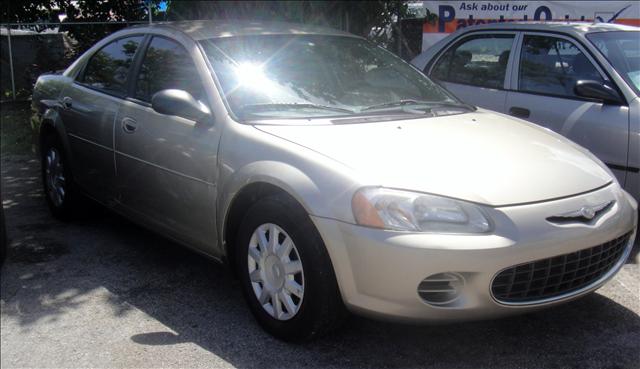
point(548, 66)
point(167, 165)
point(475, 68)
point(89, 109)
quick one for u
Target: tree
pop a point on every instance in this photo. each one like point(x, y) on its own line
point(31, 11)
point(48, 11)
point(372, 19)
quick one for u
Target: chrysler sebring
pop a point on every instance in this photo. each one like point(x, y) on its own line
point(330, 174)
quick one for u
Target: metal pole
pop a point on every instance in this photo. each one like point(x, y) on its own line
point(346, 16)
point(149, 7)
point(13, 82)
point(399, 25)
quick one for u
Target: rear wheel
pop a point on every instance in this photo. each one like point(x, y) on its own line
point(286, 273)
point(56, 179)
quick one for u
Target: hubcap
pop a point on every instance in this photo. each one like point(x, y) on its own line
point(54, 177)
point(275, 270)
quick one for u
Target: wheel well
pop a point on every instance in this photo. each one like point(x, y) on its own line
point(239, 207)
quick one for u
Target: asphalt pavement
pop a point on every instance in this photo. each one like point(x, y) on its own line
point(104, 293)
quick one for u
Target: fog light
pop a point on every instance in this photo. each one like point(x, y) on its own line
point(441, 288)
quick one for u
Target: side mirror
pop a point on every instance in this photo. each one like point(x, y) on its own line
point(597, 90)
point(180, 103)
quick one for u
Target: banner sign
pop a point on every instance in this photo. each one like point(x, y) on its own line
point(444, 17)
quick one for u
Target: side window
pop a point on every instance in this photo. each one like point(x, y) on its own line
point(479, 61)
point(107, 70)
point(552, 65)
point(167, 65)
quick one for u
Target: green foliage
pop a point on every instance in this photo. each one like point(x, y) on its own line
point(431, 18)
point(80, 10)
point(32, 11)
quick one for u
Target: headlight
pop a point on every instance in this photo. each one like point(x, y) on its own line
point(409, 211)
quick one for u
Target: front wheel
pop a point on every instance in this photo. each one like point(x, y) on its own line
point(286, 273)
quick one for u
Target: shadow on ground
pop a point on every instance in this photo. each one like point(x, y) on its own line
point(53, 266)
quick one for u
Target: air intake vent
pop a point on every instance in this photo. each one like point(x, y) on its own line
point(441, 288)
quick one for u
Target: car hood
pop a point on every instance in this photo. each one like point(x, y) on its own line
point(482, 156)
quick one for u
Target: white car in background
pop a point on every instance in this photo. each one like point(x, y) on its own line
point(580, 80)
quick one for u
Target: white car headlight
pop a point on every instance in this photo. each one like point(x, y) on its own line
point(410, 211)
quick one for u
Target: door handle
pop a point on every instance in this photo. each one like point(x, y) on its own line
point(129, 125)
point(519, 112)
point(67, 102)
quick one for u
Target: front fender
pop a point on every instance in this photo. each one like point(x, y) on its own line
point(289, 179)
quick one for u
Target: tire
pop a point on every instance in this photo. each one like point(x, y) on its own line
point(61, 197)
point(318, 307)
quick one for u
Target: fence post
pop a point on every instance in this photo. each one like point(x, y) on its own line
point(399, 29)
point(346, 19)
point(13, 81)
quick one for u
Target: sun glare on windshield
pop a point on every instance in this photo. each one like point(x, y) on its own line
point(249, 74)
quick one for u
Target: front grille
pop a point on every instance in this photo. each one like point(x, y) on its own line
point(559, 275)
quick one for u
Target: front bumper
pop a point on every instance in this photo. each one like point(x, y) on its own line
point(379, 271)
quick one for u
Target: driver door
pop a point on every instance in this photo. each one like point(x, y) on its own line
point(167, 165)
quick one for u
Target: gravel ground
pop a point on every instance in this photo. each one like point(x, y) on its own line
point(102, 292)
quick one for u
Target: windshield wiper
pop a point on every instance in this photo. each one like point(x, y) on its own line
point(276, 106)
point(415, 102)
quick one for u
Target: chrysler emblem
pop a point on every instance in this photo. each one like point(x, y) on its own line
point(588, 212)
point(585, 213)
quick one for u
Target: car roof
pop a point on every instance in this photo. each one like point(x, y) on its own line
point(204, 29)
point(565, 27)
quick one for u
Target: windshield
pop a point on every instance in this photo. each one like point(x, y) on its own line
point(622, 49)
point(308, 76)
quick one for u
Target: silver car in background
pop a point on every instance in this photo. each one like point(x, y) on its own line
point(580, 80)
point(330, 174)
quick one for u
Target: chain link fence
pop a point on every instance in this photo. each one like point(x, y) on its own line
point(28, 50)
